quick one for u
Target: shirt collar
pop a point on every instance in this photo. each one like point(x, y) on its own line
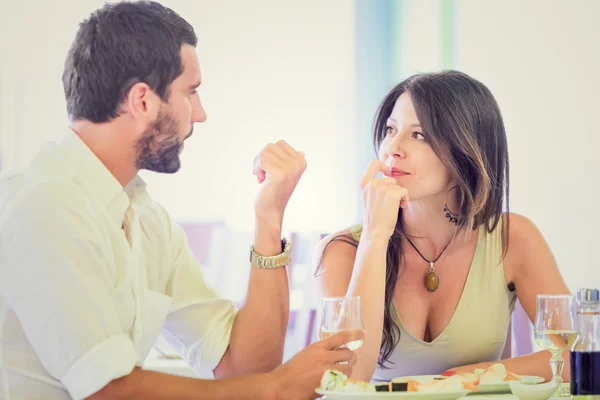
point(99, 180)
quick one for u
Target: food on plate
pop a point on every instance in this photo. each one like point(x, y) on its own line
point(448, 373)
point(454, 383)
point(383, 387)
point(336, 381)
point(400, 385)
point(331, 379)
point(496, 373)
point(470, 381)
point(450, 381)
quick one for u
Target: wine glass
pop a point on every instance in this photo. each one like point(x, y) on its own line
point(556, 331)
point(340, 313)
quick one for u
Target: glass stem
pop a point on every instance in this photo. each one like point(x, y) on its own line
point(556, 363)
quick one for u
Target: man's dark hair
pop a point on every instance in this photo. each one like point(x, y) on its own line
point(118, 46)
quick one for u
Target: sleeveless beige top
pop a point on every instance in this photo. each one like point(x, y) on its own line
point(477, 331)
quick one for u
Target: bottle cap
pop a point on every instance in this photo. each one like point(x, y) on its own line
point(588, 295)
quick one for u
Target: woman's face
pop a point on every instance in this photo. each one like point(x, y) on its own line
point(407, 152)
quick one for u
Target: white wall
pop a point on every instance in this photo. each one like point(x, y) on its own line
point(541, 59)
point(271, 70)
point(34, 37)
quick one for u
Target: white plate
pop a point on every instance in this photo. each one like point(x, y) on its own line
point(504, 387)
point(484, 387)
point(392, 395)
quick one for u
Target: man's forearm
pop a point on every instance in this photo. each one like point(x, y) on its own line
point(258, 333)
point(150, 385)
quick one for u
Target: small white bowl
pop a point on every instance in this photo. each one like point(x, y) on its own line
point(528, 391)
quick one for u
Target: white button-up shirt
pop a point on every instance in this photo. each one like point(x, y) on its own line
point(81, 300)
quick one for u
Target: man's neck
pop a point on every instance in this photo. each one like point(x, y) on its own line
point(112, 145)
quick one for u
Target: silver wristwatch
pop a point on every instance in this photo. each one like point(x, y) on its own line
point(276, 261)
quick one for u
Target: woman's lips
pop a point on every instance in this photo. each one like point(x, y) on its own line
point(398, 172)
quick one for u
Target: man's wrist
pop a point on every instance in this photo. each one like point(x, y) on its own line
point(269, 386)
point(267, 237)
point(279, 260)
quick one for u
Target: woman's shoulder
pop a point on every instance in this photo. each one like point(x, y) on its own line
point(521, 230)
point(338, 247)
point(347, 236)
point(524, 239)
point(350, 234)
point(512, 225)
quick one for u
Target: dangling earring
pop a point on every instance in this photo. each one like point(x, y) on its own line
point(452, 216)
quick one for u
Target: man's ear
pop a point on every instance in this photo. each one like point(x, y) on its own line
point(142, 103)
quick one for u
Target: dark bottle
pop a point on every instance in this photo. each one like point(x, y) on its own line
point(585, 353)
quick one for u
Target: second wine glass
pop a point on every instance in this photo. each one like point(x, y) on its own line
point(556, 331)
point(340, 313)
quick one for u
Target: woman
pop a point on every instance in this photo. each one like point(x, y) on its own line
point(437, 262)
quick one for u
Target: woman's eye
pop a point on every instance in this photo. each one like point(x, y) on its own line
point(418, 135)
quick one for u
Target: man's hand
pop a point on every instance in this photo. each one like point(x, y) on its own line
point(301, 376)
point(278, 168)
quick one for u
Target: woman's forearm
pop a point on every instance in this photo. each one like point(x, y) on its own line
point(368, 282)
point(536, 364)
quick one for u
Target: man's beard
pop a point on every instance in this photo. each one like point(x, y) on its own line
point(159, 147)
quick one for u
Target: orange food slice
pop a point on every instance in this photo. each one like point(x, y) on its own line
point(472, 386)
point(413, 386)
point(512, 377)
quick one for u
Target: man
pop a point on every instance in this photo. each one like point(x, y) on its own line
point(92, 270)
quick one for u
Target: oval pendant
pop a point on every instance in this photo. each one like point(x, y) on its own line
point(432, 281)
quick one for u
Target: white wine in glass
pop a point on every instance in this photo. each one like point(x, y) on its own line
point(556, 331)
point(338, 314)
point(555, 340)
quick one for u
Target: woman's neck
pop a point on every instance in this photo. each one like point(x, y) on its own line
point(424, 221)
